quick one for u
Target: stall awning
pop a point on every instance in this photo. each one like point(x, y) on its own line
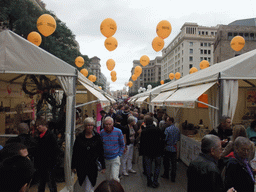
point(110, 99)
point(101, 98)
point(186, 97)
point(140, 100)
point(159, 99)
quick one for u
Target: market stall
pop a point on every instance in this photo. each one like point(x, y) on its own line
point(225, 88)
point(19, 58)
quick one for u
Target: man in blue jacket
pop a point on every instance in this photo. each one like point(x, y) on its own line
point(113, 144)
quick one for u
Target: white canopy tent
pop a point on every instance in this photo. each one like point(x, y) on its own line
point(227, 75)
point(19, 57)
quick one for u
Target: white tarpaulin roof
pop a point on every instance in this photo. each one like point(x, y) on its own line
point(17, 55)
point(240, 67)
point(186, 97)
point(140, 100)
point(89, 86)
point(159, 99)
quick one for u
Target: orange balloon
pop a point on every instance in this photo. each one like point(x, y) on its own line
point(110, 64)
point(171, 76)
point(144, 60)
point(111, 43)
point(90, 77)
point(113, 78)
point(162, 82)
point(94, 78)
point(134, 77)
point(84, 72)
point(164, 29)
point(204, 64)
point(46, 24)
point(158, 44)
point(130, 84)
point(34, 38)
point(137, 71)
point(113, 73)
point(237, 43)
point(100, 87)
point(108, 27)
point(177, 75)
point(79, 61)
point(193, 70)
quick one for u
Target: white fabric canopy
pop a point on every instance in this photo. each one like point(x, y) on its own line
point(110, 99)
point(159, 99)
point(186, 97)
point(140, 100)
point(19, 56)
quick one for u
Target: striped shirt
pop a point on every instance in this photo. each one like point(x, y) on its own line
point(113, 143)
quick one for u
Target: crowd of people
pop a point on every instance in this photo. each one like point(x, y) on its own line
point(125, 130)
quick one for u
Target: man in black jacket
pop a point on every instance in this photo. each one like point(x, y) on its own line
point(46, 156)
point(151, 147)
point(203, 174)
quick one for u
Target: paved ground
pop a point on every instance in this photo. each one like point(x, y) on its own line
point(138, 182)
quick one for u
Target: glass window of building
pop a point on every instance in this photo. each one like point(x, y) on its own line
point(251, 36)
point(191, 51)
point(209, 52)
point(201, 44)
point(190, 43)
point(209, 59)
point(246, 36)
point(205, 44)
point(190, 58)
point(202, 32)
point(201, 58)
point(205, 51)
point(209, 44)
point(230, 36)
point(190, 66)
point(202, 51)
point(205, 58)
point(212, 33)
point(206, 33)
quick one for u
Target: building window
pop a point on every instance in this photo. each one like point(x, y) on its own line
point(191, 51)
point(190, 43)
point(205, 58)
point(201, 44)
point(206, 33)
point(212, 33)
point(201, 58)
point(202, 51)
point(182, 52)
point(205, 44)
point(202, 32)
point(209, 52)
point(190, 66)
point(230, 36)
point(205, 51)
point(251, 36)
point(209, 59)
point(246, 36)
point(235, 34)
point(209, 44)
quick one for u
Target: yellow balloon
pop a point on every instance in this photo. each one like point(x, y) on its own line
point(130, 84)
point(137, 71)
point(90, 77)
point(134, 77)
point(111, 43)
point(193, 70)
point(164, 29)
point(158, 44)
point(94, 78)
point(237, 43)
point(171, 76)
point(113, 73)
point(144, 60)
point(204, 64)
point(46, 24)
point(177, 75)
point(108, 27)
point(34, 38)
point(84, 72)
point(113, 78)
point(79, 61)
point(162, 82)
point(110, 64)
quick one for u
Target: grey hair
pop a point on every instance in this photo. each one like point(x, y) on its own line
point(108, 118)
point(89, 120)
point(208, 142)
point(224, 118)
point(239, 141)
point(131, 119)
point(23, 128)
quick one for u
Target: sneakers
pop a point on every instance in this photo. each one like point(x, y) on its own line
point(125, 173)
point(132, 171)
point(155, 185)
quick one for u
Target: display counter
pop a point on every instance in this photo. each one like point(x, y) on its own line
point(190, 147)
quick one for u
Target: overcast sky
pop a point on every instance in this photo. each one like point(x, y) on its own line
point(136, 25)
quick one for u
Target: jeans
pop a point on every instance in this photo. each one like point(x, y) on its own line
point(148, 165)
point(170, 156)
point(45, 175)
point(112, 168)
